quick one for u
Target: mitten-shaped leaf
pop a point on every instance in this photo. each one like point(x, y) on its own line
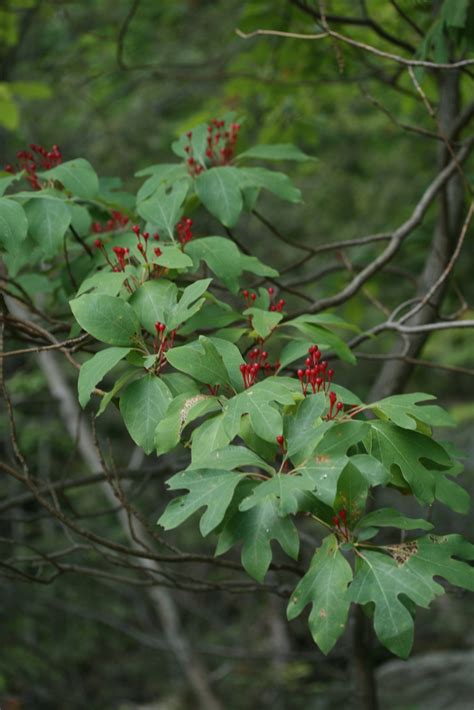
point(324, 586)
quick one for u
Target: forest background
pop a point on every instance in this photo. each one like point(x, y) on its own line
point(115, 83)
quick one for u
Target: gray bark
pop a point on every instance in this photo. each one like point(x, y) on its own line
point(395, 373)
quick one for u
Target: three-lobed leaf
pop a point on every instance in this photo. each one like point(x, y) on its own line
point(324, 586)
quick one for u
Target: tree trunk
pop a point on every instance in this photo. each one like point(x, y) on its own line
point(395, 373)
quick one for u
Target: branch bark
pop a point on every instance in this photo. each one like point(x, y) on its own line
point(395, 373)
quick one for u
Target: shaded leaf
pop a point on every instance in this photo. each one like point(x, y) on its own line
point(108, 319)
point(324, 586)
point(95, 369)
point(210, 488)
point(143, 405)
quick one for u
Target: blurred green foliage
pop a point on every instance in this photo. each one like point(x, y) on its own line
point(113, 86)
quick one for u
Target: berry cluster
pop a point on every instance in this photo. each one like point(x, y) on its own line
point(162, 342)
point(122, 254)
point(184, 230)
point(220, 146)
point(340, 523)
point(194, 167)
point(221, 143)
point(250, 297)
point(275, 306)
point(38, 158)
point(116, 221)
point(142, 246)
point(318, 376)
point(257, 362)
point(124, 257)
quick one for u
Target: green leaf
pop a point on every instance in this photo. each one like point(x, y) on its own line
point(31, 89)
point(201, 360)
point(329, 459)
point(180, 384)
point(48, 220)
point(154, 302)
point(325, 471)
point(295, 350)
point(258, 401)
point(403, 410)
point(13, 224)
point(345, 395)
point(373, 470)
point(454, 13)
point(78, 176)
point(340, 437)
point(106, 282)
point(210, 488)
point(208, 437)
point(352, 490)
point(143, 405)
point(451, 493)
point(232, 359)
point(118, 386)
point(255, 266)
point(160, 174)
point(231, 457)
point(182, 411)
point(406, 449)
point(281, 151)
point(222, 257)
point(262, 448)
point(164, 208)
point(257, 528)
point(198, 144)
point(172, 258)
point(324, 586)
point(409, 571)
point(188, 304)
point(391, 518)
point(275, 182)
point(81, 220)
point(219, 191)
point(215, 312)
point(318, 334)
point(381, 580)
point(328, 319)
point(263, 322)
point(164, 172)
point(301, 426)
point(6, 180)
point(283, 488)
point(95, 369)
point(9, 113)
point(106, 318)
